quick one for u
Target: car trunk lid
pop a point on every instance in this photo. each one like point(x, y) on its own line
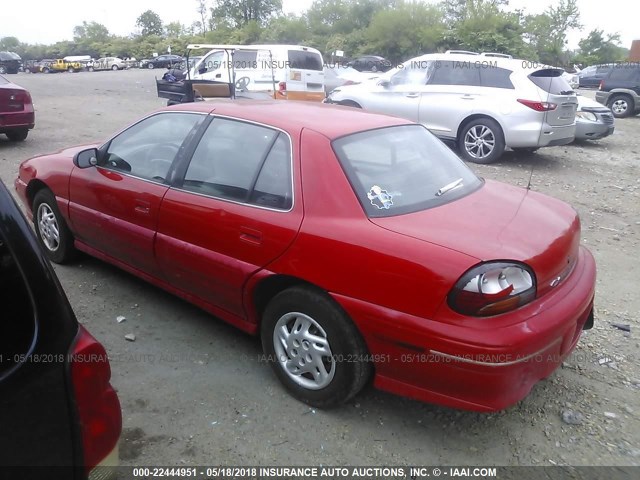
point(554, 89)
point(501, 222)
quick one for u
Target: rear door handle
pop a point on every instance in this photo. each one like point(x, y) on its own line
point(467, 97)
point(249, 235)
point(412, 95)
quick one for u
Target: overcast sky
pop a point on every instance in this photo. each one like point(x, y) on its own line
point(49, 21)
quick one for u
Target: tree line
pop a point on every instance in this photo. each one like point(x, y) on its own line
point(395, 29)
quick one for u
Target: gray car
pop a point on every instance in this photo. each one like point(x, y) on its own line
point(482, 103)
point(593, 121)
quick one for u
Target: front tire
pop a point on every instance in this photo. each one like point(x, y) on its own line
point(71, 70)
point(115, 68)
point(18, 135)
point(621, 105)
point(481, 141)
point(3, 69)
point(51, 228)
point(314, 348)
point(150, 66)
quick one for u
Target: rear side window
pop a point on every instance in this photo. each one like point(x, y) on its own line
point(244, 59)
point(242, 162)
point(625, 72)
point(455, 73)
point(305, 60)
point(495, 77)
point(551, 82)
point(17, 322)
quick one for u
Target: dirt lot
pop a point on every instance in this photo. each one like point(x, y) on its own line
point(194, 392)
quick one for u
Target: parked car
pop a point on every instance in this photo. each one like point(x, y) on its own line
point(58, 410)
point(482, 103)
point(620, 89)
point(163, 61)
point(370, 63)
point(107, 63)
point(367, 273)
point(10, 62)
point(35, 66)
point(593, 121)
point(590, 77)
point(336, 76)
point(17, 116)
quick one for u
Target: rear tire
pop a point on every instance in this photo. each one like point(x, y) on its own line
point(71, 70)
point(150, 66)
point(51, 228)
point(3, 69)
point(18, 135)
point(314, 348)
point(481, 141)
point(621, 105)
point(115, 68)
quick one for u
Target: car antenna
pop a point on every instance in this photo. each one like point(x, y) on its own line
point(530, 176)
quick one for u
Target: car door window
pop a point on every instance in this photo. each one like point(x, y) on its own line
point(455, 73)
point(273, 187)
point(148, 148)
point(212, 61)
point(412, 73)
point(496, 77)
point(229, 159)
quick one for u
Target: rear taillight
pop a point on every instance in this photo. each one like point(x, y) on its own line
point(13, 100)
point(96, 400)
point(538, 106)
point(601, 85)
point(282, 87)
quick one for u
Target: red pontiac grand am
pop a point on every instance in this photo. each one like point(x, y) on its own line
point(357, 245)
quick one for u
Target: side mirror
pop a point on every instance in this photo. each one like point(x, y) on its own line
point(202, 69)
point(384, 83)
point(86, 158)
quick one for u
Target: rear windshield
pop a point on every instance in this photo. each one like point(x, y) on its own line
point(399, 170)
point(551, 81)
point(9, 56)
point(305, 60)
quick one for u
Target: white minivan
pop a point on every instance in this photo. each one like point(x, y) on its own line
point(289, 72)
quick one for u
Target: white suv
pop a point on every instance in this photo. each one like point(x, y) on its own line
point(484, 103)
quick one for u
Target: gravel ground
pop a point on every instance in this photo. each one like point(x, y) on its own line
point(194, 392)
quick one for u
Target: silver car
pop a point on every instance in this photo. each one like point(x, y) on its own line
point(482, 103)
point(593, 121)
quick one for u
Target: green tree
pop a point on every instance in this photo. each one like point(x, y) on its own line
point(202, 10)
point(596, 48)
point(239, 13)
point(9, 43)
point(482, 25)
point(409, 30)
point(90, 32)
point(546, 33)
point(150, 23)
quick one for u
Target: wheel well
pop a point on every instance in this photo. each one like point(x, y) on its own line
point(349, 103)
point(471, 118)
point(272, 286)
point(33, 188)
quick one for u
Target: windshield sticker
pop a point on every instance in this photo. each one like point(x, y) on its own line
point(380, 198)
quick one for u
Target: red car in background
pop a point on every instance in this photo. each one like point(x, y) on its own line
point(17, 116)
point(357, 245)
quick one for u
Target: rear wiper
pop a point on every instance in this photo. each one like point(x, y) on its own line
point(568, 92)
point(449, 187)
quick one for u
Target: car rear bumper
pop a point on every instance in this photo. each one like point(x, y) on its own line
point(484, 368)
point(534, 135)
point(17, 120)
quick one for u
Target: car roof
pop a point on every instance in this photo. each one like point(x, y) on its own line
point(332, 121)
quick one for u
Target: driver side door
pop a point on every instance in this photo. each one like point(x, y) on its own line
point(114, 206)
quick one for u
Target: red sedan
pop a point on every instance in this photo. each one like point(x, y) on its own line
point(17, 116)
point(357, 245)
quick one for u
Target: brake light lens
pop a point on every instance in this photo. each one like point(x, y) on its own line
point(96, 400)
point(282, 87)
point(493, 288)
point(538, 106)
point(13, 100)
point(601, 85)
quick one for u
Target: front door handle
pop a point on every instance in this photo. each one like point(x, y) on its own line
point(142, 207)
point(467, 97)
point(412, 95)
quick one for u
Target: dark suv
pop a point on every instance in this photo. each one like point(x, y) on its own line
point(620, 89)
point(59, 416)
point(10, 62)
